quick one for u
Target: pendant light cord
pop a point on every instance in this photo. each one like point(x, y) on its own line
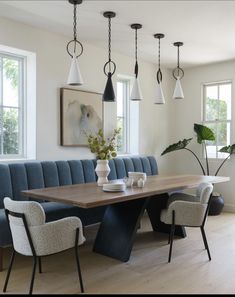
point(75, 42)
point(136, 54)
point(110, 64)
point(178, 64)
point(159, 73)
point(178, 73)
point(75, 26)
point(75, 21)
point(136, 46)
point(110, 49)
point(159, 54)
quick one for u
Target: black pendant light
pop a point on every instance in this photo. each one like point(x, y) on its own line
point(109, 94)
point(159, 99)
point(178, 74)
point(136, 94)
point(75, 77)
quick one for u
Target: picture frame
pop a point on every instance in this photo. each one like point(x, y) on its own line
point(81, 114)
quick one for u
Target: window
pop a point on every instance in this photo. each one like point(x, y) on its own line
point(127, 119)
point(11, 105)
point(122, 115)
point(217, 115)
point(17, 104)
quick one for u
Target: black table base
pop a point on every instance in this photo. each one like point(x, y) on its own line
point(117, 231)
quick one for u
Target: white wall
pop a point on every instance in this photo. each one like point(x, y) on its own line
point(52, 69)
point(185, 113)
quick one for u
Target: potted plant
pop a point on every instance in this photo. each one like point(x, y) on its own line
point(204, 134)
point(105, 150)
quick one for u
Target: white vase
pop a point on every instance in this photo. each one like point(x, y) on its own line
point(102, 170)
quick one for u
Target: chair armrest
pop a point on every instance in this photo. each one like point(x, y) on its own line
point(186, 213)
point(56, 236)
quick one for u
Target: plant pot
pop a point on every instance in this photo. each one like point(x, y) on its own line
point(216, 205)
point(102, 170)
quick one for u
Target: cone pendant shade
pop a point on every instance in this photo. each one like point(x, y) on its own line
point(178, 93)
point(109, 95)
point(136, 93)
point(159, 99)
point(75, 77)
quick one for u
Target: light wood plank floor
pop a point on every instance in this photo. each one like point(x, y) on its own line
point(147, 271)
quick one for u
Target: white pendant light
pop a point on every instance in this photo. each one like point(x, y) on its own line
point(159, 96)
point(178, 74)
point(178, 92)
point(136, 94)
point(75, 77)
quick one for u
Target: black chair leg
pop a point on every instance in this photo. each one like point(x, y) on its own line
point(40, 264)
point(172, 233)
point(205, 242)
point(9, 272)
point(33, 275)
point(169, 238)
point(78, 263)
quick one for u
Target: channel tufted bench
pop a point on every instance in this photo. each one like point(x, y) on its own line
point(17, 177)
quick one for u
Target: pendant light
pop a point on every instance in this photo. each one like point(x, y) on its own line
point(159, 96)
point(178, 74)
point(136, 94)
point(109, 94)
point(75, 77)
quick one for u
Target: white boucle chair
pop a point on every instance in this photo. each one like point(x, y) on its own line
point(189, 211)
point(32, 236)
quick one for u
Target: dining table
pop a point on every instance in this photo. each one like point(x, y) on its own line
point(121, 220)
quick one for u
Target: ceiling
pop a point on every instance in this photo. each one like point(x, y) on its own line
point(207, 28)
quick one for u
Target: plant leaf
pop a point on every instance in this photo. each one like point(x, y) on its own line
point(203, 133)
point(177, 146)
point(230, 149)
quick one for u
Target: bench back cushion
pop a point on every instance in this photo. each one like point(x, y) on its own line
point(15, 178)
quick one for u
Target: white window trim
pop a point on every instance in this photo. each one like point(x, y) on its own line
point(29, 104)
point(204, 122)
point(132, 117)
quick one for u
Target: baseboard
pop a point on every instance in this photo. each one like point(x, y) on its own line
point(229, 208)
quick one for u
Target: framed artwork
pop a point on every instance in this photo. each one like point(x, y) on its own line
point(81, 115)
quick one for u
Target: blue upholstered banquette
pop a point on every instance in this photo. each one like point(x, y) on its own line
point(15, 178)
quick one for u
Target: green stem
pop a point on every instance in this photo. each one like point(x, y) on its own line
point(222, 165)
point(203, 170)
point(207, 164)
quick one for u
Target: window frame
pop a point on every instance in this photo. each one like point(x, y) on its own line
point(126, 114)
point(21, 104)
point(216, 121)
point(29, 114)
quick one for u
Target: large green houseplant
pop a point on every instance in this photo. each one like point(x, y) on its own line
point(204, 134)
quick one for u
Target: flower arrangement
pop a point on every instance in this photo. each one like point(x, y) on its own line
point(104, 149)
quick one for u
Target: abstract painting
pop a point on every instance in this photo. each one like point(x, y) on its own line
point(81, 115)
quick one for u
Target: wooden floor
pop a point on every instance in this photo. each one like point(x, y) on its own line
point(147, 271)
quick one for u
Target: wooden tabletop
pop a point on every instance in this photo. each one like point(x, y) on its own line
point(90, 195)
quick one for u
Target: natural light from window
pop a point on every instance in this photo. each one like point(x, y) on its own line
point(217, 116)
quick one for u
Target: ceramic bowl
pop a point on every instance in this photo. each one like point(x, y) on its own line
point(136, 176)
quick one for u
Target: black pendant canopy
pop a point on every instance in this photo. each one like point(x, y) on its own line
point(109, 94)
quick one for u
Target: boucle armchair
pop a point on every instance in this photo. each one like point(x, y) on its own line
point(189, 211)
point(32, 236)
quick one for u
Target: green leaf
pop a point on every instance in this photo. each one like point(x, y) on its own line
point(177, 146)
point(203, 133)
point(230, 149)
